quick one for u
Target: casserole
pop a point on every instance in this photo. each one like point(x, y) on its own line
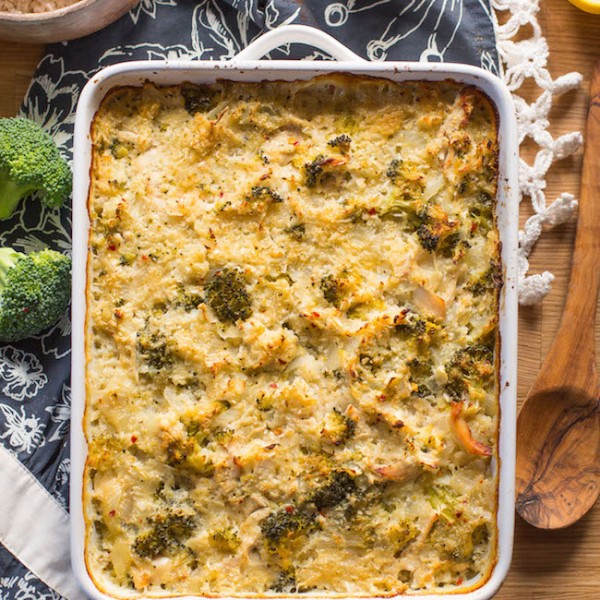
point(165, 74)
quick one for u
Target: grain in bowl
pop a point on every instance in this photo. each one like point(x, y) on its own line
point(33, 6)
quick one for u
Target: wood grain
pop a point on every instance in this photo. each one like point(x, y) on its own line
point(558, 431)
point(547, 565)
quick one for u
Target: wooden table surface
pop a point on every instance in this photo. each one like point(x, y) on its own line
point(560, 565)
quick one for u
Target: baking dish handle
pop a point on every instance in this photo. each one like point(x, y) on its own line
point(296, 34)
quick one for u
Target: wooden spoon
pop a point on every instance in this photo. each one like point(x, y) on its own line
point(558, 429)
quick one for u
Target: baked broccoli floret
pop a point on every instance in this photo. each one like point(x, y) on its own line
point(265, 193)
point(30, 162)
point(401, 534)
point(285, 582)
point(332, 289)
point(473, 364)
point(197, 98)
point(292, 519)
point(35, 290)
point(287, 521)
point(482, 213)
point(167, 532)
point(335, 491)
point(226, 540)
point(178, 450)
point(188, 300)
point(419, 367)
point(434, 229)
point(393, 170)
point(411, 325)
point(338, 427)
point(489, 280)
point(154, 350)
point(313, 170)
point(341, 142)
point(456, 539)
point(226, 294)
point(297, 231)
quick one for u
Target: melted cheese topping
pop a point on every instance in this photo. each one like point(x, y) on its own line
point(291, 338)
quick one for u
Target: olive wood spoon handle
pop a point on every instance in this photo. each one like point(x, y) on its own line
point(558, 429)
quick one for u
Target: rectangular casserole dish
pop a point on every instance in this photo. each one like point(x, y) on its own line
point(243, 68)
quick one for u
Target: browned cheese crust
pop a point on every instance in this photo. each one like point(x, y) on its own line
point(292, 339)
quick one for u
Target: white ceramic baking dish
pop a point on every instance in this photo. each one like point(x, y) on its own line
point(247, 67)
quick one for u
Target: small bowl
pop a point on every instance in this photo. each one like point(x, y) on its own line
point(74, 21)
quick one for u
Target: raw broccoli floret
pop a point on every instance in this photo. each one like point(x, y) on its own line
point(30, 162)
point(35, 290)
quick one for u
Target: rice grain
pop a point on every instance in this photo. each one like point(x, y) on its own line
point(33, 6)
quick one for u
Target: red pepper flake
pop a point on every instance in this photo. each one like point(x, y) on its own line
point(381, 397)
point(118, 314)
point(221, 194)
point(372, 211)
point(296, 142)
point(112, 513)
point(315, 314)
point(290, 510)
point(134, 439)
point(459, 581)
point(273, 385)
point(25, 310)
point(271, 446)
point(112, 247)
point(144, 257)
point(281, 361)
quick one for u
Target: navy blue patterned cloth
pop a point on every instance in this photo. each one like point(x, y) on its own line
point(35, 395)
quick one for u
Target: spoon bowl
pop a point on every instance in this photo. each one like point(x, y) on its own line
point(563, 482)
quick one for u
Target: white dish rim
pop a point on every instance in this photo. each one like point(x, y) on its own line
point(247, 67)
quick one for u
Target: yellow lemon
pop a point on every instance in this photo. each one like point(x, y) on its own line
point(591, 6)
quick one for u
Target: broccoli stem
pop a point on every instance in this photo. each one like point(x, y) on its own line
point(8, 259)
point(11, 194)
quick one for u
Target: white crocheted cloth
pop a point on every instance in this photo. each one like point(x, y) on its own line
point(521, 60)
